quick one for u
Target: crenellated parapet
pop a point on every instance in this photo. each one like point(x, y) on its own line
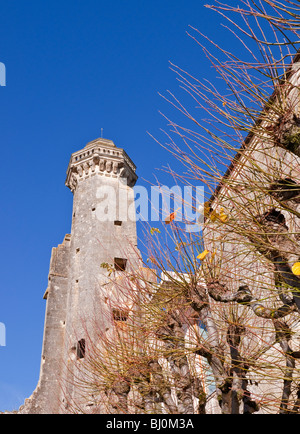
point(100, 157)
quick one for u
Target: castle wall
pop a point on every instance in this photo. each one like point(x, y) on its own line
point(46, 397)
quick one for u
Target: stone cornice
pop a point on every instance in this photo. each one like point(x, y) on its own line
point(101, 157)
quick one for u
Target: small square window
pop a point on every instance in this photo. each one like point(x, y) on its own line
point(117, 223)
point(120, 264)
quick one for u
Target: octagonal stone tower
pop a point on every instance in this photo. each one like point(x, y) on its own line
point(102, 244)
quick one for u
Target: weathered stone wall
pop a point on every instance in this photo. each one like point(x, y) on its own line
point(242, 194)
point(46, 397)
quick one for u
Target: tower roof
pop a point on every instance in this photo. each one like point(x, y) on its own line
point(100, 141)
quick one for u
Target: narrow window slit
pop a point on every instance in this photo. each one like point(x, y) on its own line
point(80, 349)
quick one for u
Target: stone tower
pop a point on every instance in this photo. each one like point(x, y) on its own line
point(103, 238)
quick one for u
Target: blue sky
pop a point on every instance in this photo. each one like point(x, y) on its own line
point(74, 67)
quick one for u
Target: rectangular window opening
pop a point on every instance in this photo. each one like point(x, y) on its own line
point(80, 349)
point(120, 264)
point(117, 223)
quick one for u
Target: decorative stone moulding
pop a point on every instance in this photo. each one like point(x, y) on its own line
point(100, 157)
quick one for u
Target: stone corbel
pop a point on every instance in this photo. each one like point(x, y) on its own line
point(102, 165)
point(94, 163)
point(86, 168)
point(80, 170)
point(73, 182)
point(123, 172)
point(108, 166)
point(115, 167)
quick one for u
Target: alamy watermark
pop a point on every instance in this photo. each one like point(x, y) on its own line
point(179, 204)
point(2, 74)
point(2, 335)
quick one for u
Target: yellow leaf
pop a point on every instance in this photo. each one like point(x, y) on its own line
point(152, 230)
point(213, 255)
point(203, 255)
point(214, 216)
point(296, 269)
point(223, 217)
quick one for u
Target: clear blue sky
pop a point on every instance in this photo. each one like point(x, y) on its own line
point(73, 67)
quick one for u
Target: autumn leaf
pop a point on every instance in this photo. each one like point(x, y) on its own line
point(213, 255)
point(203, 255)
point(171, 217)
point(296, 269)
point(108, 267)
point(152, 230)
point(205, 209)
point(222, 216)
point(214, 216)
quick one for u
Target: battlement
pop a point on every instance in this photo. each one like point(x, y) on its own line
point(100, 157)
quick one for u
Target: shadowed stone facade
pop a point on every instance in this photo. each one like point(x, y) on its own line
point(245, 193)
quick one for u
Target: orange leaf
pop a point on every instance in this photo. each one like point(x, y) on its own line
point(171, 217)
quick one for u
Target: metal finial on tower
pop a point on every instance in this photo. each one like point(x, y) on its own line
point(101, 133)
